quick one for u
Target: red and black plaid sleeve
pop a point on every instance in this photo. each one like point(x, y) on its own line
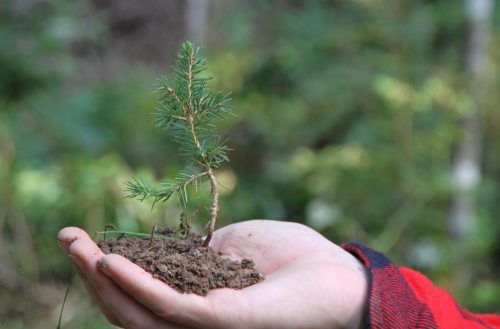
point(399, 297)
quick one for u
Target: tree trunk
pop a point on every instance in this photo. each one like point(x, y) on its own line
point(196, 16)
point(466, 166)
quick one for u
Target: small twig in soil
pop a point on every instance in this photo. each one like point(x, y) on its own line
point(106, 227)
point(64, 301)
point(185, 225)
point(152, 235)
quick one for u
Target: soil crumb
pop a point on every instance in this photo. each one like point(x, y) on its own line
point(183, 264)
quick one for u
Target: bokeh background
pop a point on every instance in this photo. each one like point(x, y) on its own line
point(368, 120)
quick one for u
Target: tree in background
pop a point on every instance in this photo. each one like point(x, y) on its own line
point(466, 167)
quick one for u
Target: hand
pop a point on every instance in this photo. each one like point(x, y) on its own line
point(309, 283)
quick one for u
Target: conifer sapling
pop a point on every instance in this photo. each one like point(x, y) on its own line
point(187, 108)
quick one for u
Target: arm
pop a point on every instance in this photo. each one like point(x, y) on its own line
point(399, 297)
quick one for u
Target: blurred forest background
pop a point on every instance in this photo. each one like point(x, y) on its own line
point(367, 120)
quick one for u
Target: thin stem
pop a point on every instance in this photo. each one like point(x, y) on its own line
point(177, 117)
point(107, 227)
point(214, 209)
point(183, 108)
point(59, 323)
point(190, 79)
point(152, 235)
point(190, 115)
point(195, 138)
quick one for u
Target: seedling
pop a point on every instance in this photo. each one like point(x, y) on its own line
point(177, 256)
point(187, 109)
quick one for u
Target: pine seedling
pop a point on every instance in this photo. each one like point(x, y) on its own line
point(187, 108)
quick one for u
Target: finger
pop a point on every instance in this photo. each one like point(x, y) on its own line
point(67, 236)
point(129, 312)
point(110, 316)
point(186, 309)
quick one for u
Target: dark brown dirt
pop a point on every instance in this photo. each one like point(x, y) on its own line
point(183, 264)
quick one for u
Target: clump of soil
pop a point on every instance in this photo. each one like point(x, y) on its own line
point(183, 264)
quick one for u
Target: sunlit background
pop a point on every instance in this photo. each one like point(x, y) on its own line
point(368, 120)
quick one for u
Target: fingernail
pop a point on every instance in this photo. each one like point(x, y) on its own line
point(65, 243)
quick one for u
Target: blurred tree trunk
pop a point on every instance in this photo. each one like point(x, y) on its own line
point(466, 165)
point(196, 15)
point(148, 32)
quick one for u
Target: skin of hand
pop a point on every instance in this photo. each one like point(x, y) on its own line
point(309, 283)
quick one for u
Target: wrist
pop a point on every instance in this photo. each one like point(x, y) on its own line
point(359, 302)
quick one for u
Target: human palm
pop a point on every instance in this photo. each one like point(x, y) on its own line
point(309, 283)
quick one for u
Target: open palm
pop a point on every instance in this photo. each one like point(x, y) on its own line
point(310, 283)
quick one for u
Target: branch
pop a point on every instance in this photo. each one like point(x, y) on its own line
point(139, 188)
point(176, 117)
